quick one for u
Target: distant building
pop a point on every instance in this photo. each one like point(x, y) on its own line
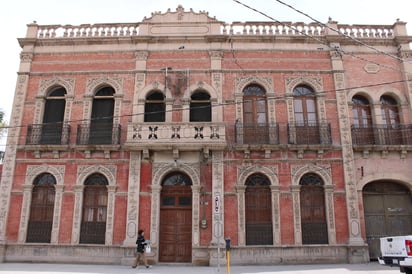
point(292, 139)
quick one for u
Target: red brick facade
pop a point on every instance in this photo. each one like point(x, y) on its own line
point(275, 165)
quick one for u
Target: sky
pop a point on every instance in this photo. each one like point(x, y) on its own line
point(15, 15)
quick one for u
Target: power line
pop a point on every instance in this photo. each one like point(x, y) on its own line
point(344, 34)
point(339, 50)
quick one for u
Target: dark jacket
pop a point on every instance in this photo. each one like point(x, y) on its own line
point(140, 244)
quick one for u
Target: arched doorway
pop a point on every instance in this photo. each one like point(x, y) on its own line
point(41, 209)
point(388, 212)
point(175, 239)
point(93, 226)
point(258, 211)
point(313, 211)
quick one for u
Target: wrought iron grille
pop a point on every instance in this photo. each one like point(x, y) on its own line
point(98, 134)
point(256, 133)
point(309, 134)
point(382, 135)
point(48, 134)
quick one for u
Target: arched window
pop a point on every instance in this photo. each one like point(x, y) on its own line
point(255, 125)
point(154, 109)
point(54, 108)
point(391, 122)
point(93, 226)
point(313, 211)
point(175, 237)
point(304, 103)
point(41, 209)
point(390, 113)
point(306, 126)
point(101, 125)
point(200, 107)
point(362, 128)
point(361, 112)
point(258, 211)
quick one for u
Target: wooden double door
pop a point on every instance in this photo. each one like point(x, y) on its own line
point(175, 239)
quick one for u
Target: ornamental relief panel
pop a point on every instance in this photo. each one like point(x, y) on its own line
point(245, 171)
point(108, 171)
point(265, 81)
point(56, 171)
point(313, 81)
point(46, 84)
point(324, 171)
point(161, 169)
point(95, 83)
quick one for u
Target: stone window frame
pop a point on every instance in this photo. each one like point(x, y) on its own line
point(266, 83)
point(32, 171)
point(140, 100)
point(217, 113)
point(325, 173)
point(374, 99)
point(271, 173)
point(45, 86)
point(94, 85)
point(316, 84)
point(83, 172)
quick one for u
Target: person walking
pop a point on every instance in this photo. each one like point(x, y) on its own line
point(140, 254)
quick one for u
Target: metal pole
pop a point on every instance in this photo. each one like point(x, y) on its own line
point(227, 255)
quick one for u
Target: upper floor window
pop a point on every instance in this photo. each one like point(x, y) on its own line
point(154, 109)
point(361, 112)
point(390, 113)
point(254, 105)
point(101, 125)
point(53, 117)
point(200, 107)
point(304, 103)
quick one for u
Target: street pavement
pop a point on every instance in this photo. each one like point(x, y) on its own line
point(37, 268)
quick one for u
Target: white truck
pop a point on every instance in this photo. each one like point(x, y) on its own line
point(397, 250)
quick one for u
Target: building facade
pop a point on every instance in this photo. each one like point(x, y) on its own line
point(293, 140)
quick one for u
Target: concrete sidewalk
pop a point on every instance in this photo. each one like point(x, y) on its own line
point(36, 268)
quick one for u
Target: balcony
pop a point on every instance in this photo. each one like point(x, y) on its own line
point(309, 134)
point(98, 134)
point(48, 134)
point(256, 134)
point(381, 135)
point(193, 135)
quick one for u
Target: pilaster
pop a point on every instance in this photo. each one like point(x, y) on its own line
point(218, 198)
point(352, 204)
point(133, 201)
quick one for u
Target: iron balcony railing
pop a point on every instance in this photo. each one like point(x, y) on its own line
point(256, 133)
point(48, 134)
point(309, 134)
point(381, 135)
point(98, 134)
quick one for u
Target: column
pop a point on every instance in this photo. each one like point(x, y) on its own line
point(276, 214)
point(77, 214)
point(110, 214)
point(56, 214)
point(25, 213)
point(297, 225)
point(330, 214)
point(240, 190)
